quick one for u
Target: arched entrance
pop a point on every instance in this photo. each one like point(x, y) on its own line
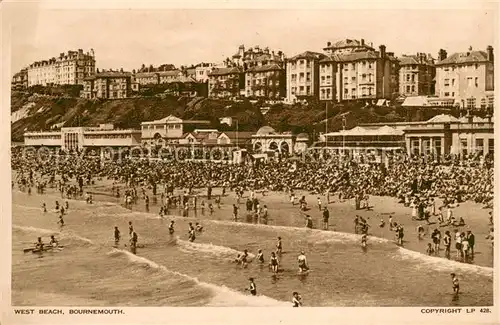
point(284, 148)
point(257, 147)
point(273, 146)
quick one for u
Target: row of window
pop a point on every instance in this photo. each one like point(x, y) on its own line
point(462, 67)
point(107, 136)
point(161, 127)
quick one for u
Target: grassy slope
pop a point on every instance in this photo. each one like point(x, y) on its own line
point(128, 113)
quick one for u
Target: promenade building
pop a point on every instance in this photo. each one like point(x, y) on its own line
point(445, 134)
point(109, 85)
point(68, 69)
point(302, 76)
point(417, 75)
point(354, 70)
point(91, 138)
point(170, 129)
point(467, 78)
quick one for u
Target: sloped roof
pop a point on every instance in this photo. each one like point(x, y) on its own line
point(265, 130)
point(302, 136)
point(465, 58)
point(308, 55)
point(239, 135)
point(169, 73)
point(224, 71)
point(168, 119)
point(443, 118)
point(413, 59)
point(145, 74)
point(182, 79)
point(415, 101)
point(347, 43)
point(267, 67)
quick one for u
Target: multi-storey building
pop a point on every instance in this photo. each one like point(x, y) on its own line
point(68, 69)
point(467, 77)
point(302, 76)
point(109, 85)
point(147, 78)
point(264, 72)
point(20, 80)
point(416, 75)
point(202, 70)
point(97, 139)
point(167, 76)
point(225, 82)
point(168, 130)
point(353, 70)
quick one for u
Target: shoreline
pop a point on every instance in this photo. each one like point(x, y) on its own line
point(282, 214)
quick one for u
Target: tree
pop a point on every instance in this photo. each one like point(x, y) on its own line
point(97, 70)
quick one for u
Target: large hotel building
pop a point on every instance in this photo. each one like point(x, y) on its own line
point(67, 69)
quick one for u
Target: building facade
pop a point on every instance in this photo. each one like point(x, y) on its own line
point(225, 82)
point(170, 129)
point(416, 75)
point(302, 76)
point(352, 70)
point(68, 69)
point(467, 78)
point(266, 139)
point(109, 85)
point(20, 80)
point(78, 138)
point(445, 134)
point(202, 70)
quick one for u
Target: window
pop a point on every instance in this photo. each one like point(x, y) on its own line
point(412, 78)
point(353, 79)
point(301, 88)
point(479, 146)
point(346, 91)
point(490, 101)
point(476, 81)
point(491, 146)
point(446, 94)
point(483, 103)
point(471, 103)
point(308, 90)
point(412, 89)
point(463, 146)
point(408, 89)
point(446, 82)
point(308, 76)
point(323, 78)
point(407, 77)
point(446, 69)
point(469, 81)
point(453, 82)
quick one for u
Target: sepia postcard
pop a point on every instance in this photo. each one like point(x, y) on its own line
point(164, 160)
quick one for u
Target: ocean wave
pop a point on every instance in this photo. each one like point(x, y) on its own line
point(61, 235)
point(219, 251)
point(443, 264)
point(223, 296)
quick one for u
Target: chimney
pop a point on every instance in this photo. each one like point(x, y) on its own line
point(362, 42)
point(328, 44)
point(489, 53)
point(382, 51)
point(442, 55)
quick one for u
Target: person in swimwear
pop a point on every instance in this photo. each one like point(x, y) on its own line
point(192, 233)
point(279, 247)
point(133, 242)
point(61, 221)
point(260, 256)
point(199, 228)
point(130, 228)
point(244, 259)
point(363, 240)
point(117, 236)
point(274, 262)
point(171, 227)
point(455, 283)
point(252, 287)
point(44, 208)
point(301, 259)
point(296, 299)
point(53, 242)
point(39, 244)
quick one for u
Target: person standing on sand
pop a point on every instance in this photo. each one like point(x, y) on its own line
point(252, 287)
point(326, 216)
point(117, 236)
point(455, 283)
point(447, 244)
point(471, 239)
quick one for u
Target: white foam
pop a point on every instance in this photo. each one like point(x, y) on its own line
point(443, 264)
point(221, 251)
point(65, 234)
point(224, 296)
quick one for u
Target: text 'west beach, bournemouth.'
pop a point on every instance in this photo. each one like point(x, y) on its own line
point(353, 169)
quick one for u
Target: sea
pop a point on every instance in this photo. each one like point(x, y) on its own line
point(169, 270)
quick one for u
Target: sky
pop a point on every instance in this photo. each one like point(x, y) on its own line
point(128, 38)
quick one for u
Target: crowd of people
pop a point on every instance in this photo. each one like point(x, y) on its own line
point(415, 182)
